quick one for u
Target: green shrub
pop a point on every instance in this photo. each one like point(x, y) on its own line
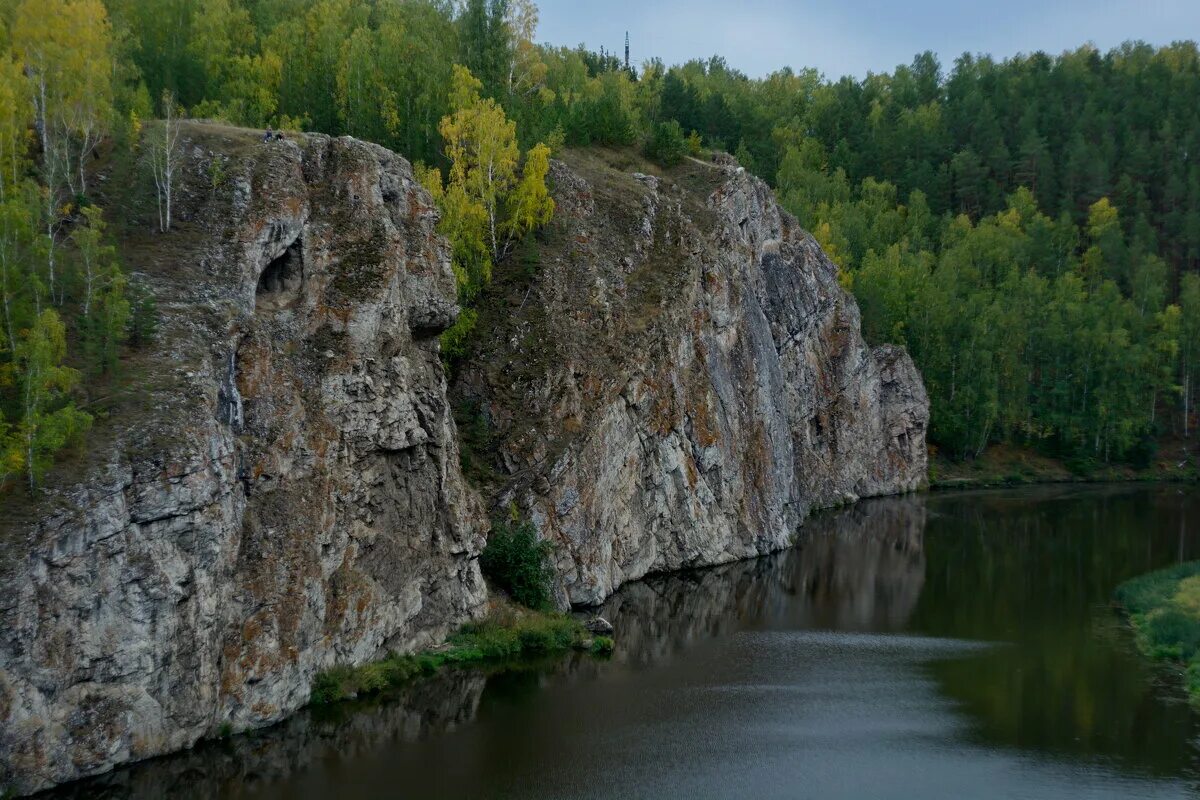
point(1164, 610)
point(499, 638)
point(327, 686)
point(372, 678)
point(517, 562)
point(602, 645)
point(667, 144)
point(455, 339)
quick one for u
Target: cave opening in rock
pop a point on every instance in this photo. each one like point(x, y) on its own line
point(279, 285)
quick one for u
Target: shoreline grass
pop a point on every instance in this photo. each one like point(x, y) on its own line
point(1010, 465)
point(1164, 611)
point(508, 635)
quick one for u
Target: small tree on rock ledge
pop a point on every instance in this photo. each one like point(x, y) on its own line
point(162, 153)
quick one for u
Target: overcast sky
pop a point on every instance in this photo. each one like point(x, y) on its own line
point(853, 37)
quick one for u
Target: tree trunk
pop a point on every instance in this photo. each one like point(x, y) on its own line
point(1187, 392)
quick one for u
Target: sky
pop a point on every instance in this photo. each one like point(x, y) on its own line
point(854, 37)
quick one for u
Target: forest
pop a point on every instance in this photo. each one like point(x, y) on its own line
point(1028, 228)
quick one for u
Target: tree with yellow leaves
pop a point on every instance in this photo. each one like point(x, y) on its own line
point(481, 146)
point(66, 46)
point(526, 69)
point(486, 204)
point(529, 205)
point(14, 124)
point(48, 419)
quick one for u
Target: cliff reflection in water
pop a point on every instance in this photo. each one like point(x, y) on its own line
point(235, 766)
point(860, 568)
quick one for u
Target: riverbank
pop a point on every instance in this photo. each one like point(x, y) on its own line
point(1164, 611)
point(1005, 465)
point(508, 633)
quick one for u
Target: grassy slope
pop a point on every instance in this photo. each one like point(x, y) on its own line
point(1164, 610)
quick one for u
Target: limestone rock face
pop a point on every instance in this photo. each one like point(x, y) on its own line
point(288, 495)
point(683, 379)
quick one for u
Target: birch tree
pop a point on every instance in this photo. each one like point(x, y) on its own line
point(49, 420)
point(65, 47)
point(481, 145)
point(162, 153)
point(92, 254)
point(487, 205)
point(526, 69)
point(15, 107)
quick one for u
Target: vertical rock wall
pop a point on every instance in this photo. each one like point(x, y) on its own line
point(685, 379)
point(288, 495)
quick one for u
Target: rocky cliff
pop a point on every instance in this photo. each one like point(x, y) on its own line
point(286, 492)
point(669, 376)
point(857, 567)
point(681, 378)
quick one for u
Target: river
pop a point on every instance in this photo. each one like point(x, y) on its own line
point(949, 645)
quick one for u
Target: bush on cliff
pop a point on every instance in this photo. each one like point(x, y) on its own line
point(667, 145)
point(517, 562)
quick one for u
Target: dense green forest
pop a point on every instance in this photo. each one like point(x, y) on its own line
point(1029, 229)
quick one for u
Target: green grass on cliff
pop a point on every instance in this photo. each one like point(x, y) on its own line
point(505, 636)
point(1164, 610)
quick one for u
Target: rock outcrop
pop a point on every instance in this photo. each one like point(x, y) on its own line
point(286, 493)
point(683, 379)
point(669, 377)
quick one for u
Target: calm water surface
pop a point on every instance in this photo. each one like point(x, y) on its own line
point(948, 646)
